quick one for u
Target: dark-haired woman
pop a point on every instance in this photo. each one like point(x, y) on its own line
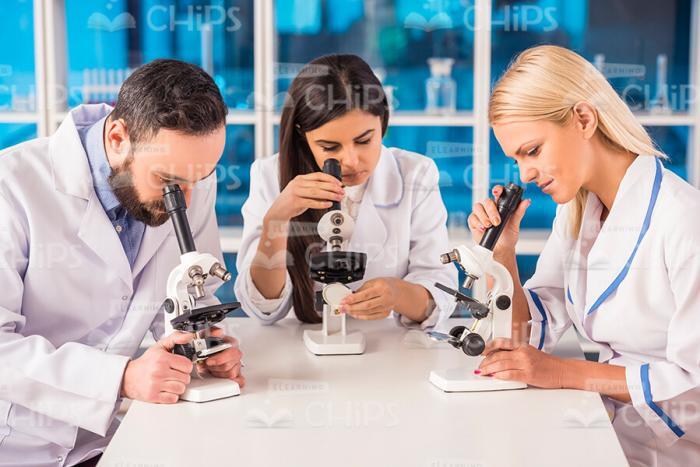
point(336, 108)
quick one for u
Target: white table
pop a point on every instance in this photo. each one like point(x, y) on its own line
point(379, 409)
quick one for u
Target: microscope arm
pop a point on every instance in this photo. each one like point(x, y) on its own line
point(478, 262)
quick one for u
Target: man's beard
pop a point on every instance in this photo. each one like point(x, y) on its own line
point(151, 213)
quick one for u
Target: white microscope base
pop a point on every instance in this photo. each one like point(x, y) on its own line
point(334, 344)
point(464, 380)
point(209, 389)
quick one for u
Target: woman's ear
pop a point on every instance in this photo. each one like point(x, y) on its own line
point(585, 119)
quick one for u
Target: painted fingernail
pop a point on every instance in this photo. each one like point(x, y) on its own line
point(477, 372)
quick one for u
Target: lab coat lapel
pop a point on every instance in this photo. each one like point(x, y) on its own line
point(623, 232)
point(384, 191)
point(98, 233)
point(153, 238)
point(71, 174)
point(576, 285)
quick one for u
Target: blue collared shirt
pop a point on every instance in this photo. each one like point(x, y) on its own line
point(130, 230)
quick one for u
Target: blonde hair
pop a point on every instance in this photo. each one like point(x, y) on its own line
point(545, 83)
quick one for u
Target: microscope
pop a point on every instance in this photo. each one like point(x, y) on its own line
point(186, 286)
point(335, 268)
point(492, 319)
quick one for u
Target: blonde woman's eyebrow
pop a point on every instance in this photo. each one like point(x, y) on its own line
point(519, 151)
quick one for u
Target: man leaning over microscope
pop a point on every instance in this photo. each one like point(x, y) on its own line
point(85, 252)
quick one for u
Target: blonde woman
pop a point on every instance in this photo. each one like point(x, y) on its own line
point(622, 263)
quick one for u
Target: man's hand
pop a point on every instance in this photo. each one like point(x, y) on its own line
point(225, 364)
point(158, 376)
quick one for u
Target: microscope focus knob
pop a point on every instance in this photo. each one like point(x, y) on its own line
point(219, 271)
point(457, 332)
point(473, 345)
point(503, 302)
point(169, 305)
point(186, 350)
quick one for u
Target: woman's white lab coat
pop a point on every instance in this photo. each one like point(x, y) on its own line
point(401, 225)
point(632, 287)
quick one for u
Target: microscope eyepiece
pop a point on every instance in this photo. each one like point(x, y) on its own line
point(176, 207)
point(174, 199)
point(332, 167)
point(506, 204)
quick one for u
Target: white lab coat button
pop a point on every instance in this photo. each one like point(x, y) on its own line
point(60, 459)
point(125, 297)
point(119, 229)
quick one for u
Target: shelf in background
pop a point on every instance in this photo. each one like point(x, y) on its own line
point(241, 117)
point(418, 118)
point(673, 119)
point(230, 239)
point(466, 118)
point(18, 117)
point(398, 118)
point(407, 118)
point(531, 240)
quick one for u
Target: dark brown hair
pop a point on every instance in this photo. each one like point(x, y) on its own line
point(169, 94)
point(325, 89)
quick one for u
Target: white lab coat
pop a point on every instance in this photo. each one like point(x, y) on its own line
point(401, 225)
point(632, 287)
point(72, 312)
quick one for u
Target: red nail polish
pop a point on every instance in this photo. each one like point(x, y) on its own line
point(477, 372)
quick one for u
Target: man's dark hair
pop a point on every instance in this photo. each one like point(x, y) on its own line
point(169, 94)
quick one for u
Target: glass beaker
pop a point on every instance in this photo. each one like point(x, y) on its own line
point(440, 88)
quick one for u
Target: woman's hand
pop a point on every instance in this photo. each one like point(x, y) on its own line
point(508, 360)
point(485, 215)
point(374, 300)
point(226, 364)
point(310, 191)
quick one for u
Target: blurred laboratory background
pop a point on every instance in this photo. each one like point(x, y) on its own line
point(436, 58)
